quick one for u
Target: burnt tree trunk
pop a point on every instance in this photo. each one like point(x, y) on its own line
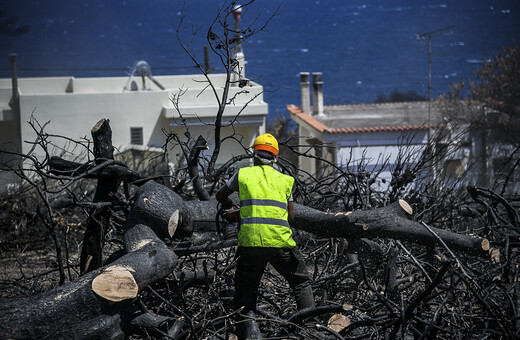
point(99, 304)
point(193, 168)
point(109, 169)
point(91, 253)
point(392, 221)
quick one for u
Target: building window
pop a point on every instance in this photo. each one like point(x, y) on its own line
point(136, 135)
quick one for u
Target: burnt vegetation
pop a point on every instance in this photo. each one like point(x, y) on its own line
point(95, 249)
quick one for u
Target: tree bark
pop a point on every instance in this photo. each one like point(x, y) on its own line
point(193, 168)
point(109, 170)
point(96, 305)
point(392, 221)
point(91, 253)
point(161, 209)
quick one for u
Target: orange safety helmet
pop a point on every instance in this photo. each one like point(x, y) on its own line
point(266, 142)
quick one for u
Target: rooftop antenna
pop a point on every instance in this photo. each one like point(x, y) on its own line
point(429, 136)
point(421, 36)
point(239, 71)
point(143, 69)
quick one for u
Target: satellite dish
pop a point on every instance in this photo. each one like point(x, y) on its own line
point(143, 68)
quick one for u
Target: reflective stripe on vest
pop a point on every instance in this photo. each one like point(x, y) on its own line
point(263, 193)
point(274, 203)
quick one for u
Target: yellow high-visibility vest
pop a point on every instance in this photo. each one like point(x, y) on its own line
point(263, 193)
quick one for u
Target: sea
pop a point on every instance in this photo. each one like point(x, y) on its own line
point(364, 48)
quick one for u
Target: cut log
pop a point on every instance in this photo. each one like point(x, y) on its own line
point(392, 221)
point(115, 283)
point(109, 170)
point(95, 304)
point(161, 209)
point(337, 322)
point(91, 253)
point(82, 301)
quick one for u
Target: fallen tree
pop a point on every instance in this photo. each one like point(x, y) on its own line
point(393, 221)
point(424, 281)
point(100, 304)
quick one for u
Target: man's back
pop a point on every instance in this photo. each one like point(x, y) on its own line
point(263, 193)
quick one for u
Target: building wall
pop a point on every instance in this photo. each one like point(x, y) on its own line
point(307, 164)
point(230, 147)
point(72, 106)
point(9, 141)
point(360, 151)
point(370, 151)
point(74, 116)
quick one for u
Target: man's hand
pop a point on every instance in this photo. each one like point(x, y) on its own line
point(223, 197)
point(290, 210)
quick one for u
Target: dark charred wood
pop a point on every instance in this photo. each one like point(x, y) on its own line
point(163, 210)
point(89, 316)
point(62, 167)
point(193, 168)
point(102, 138)
point(312, 312)
point(391, 284)
point(335, 334)
point(207, 247)
point(94, 304)
point(247, 327)
point(110, 169)
point(388, 222)
point(152, 324)
point(91, 253)
point(205, 212)
point(408, 312)
point(176, 328)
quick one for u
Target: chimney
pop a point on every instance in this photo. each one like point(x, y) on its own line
point(15, 100)
point(305, 88)
point(317, 94)
point(238, 77)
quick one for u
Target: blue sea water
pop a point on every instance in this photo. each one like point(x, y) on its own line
point(364, 48)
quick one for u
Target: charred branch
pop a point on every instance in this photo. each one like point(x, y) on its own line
point(91, 253)
point(95, 303)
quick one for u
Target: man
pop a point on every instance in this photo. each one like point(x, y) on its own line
point(266, 209)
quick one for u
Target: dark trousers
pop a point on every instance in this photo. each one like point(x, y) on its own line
point(251, 265)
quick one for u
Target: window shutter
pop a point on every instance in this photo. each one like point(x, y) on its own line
point(136, 135)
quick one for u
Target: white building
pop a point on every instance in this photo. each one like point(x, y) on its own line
point(372, 133)
point(139, 110)
point(364, 136)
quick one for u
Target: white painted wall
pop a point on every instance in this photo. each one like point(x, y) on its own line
point(229, 148)
point(74, 115)
point(371, 150)
point(72, 106)
point(306, 163)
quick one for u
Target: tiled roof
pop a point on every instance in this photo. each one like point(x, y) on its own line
point(360, 118)
point(378, 128)
point(308, 119)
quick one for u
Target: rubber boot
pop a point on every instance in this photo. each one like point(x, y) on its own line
point(248, 328)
